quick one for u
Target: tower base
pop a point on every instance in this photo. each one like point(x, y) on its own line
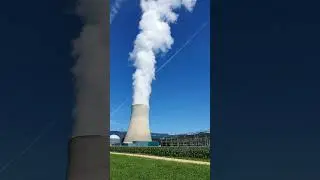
point(88, 158)
point(142, 144)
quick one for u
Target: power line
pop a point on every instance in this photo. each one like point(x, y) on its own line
point(44, 130)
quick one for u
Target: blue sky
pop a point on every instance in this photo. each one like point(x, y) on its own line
point(180, 99)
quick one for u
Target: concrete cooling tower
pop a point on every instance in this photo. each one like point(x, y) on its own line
point(89, 145)
point(139, 124)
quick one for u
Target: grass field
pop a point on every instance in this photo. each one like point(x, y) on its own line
point(137, 168)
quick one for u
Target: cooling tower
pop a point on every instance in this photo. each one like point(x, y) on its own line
point(89, 145)
point(88, 158)
point(139, 124)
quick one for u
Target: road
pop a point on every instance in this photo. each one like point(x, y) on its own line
point(163, 158)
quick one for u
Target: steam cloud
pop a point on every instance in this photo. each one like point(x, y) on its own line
point(154, 37)
point(91, 52)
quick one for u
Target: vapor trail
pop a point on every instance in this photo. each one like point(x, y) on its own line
point(44, 130)
point(119, 107)
point(154, 38)
point(182, 47)
point(188, 42)
point(115, 9)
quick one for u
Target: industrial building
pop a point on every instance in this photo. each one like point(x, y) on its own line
point(121, 134)
point(139, 134)
point(115, 140)
point(190, 139)
point(201, 138)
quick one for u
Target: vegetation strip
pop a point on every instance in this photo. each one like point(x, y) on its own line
point(194, 153)
point(163, 158)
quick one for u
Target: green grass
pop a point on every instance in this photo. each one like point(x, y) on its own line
point(138, 168)
point(184, 158)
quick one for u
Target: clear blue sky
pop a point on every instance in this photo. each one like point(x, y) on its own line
point(180, 99)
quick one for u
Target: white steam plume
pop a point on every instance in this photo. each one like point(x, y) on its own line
point(91, 53)
point(167, 61)
point(155, 37)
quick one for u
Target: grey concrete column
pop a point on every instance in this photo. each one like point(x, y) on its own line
point(89, 144)
point(88, 158)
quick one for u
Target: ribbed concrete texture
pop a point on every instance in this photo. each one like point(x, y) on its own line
point(88, 158)
point(139, 124)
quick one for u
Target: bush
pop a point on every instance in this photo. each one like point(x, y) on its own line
point(177, 152)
